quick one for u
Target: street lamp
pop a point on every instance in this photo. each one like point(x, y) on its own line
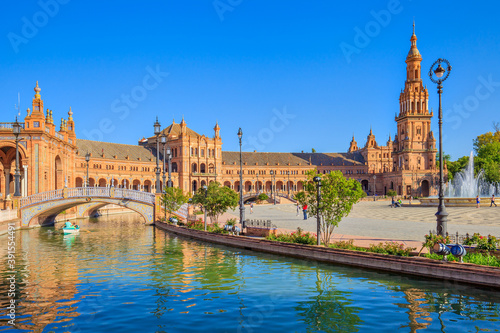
point(242, 207)
point(157, 129)
point(374, 187)
point(288, 184)
point(205, 207)
point(169, 158)
point(317, 180)
point(273, 189)
point(87, 159)
point(441, 74)
point(16, 128)
point(163, 139)
point(258, 187)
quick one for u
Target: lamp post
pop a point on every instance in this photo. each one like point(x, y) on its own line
point(288, 184)
point(16, 128)
point(273, 189)
point(317, 180)
point(157, 129)
point(258, 187)
point(169, 158)
point(441, 75)
point(163, 139)
point(242, 207)
point(205, 207)
point(87, 159)
point(374, 187)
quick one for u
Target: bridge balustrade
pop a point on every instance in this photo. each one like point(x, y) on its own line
point(96, 192)
point(135, 195)
point(41, 197)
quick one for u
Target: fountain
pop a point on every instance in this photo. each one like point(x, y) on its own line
point(465, 185)
point(464, 188)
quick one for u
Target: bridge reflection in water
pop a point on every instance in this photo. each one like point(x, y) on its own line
point(120, 274)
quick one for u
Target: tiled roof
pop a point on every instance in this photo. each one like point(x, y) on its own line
point(97, 148)
point(325, 159)
point(175, 129)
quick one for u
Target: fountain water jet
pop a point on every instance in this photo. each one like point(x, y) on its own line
point(466, 185)
point(464, 188)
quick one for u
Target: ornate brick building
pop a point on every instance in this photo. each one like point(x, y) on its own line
point(51, 159)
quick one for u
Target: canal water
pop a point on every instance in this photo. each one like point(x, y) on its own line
point(119, 275)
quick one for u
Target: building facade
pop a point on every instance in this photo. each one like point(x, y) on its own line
point(52, 159)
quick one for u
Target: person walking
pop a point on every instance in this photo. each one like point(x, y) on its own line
point(304, 209)
point(411, 197)
point(393, 202)
point(478, 201)
point(493, 201)
point(298, 209)
point(251, 208)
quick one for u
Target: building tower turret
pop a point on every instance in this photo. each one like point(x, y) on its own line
point(414, 119)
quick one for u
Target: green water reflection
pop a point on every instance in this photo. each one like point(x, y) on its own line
point(120, 275)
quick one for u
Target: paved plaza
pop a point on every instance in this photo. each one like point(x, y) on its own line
point(378, 221)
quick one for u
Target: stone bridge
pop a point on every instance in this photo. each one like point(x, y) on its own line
point(42, 208)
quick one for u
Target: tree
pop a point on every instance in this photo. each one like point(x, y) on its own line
point(486, 138)
point(217, 200)
point(391, 193)
point(173, 199)
point(488, 159)
point(338, 195)
point(313, 150)
point(446, 158)
point(457, 166)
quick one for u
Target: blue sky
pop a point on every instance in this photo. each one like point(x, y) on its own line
point(278, 69)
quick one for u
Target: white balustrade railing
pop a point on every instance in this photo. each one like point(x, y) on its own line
point(135, 195)
point(97, 192)
point(41, 197)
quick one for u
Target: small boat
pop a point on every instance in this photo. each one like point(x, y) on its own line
point(70, 229)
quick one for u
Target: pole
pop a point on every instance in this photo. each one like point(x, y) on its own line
point(318, 216)
point(158, 190)
point(87, 174)
point(205, 210)
point(288, 184)
point(442, 215)
point(17, 193)
point(169, 155)
point(242, 207)
point(163, 175)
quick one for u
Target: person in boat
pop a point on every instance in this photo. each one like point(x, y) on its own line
point(68, 225)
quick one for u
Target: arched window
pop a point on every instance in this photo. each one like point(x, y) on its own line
point(202, 168)
point(194, 168)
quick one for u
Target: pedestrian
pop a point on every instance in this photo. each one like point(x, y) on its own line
point(393, 202)
point(410, 199)
point(298, 209)
point(478, 201)
point(251, 208)
point(493, 201)
point(304, 209)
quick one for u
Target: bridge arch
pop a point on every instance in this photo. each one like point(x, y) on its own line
point(42, 208)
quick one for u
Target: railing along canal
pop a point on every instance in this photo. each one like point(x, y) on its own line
point(95, 192)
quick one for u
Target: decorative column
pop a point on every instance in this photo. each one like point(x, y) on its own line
point(7, 182)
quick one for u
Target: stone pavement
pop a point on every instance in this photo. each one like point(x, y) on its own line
point(373, 222)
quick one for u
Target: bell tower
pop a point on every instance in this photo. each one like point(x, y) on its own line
point(413, 147)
